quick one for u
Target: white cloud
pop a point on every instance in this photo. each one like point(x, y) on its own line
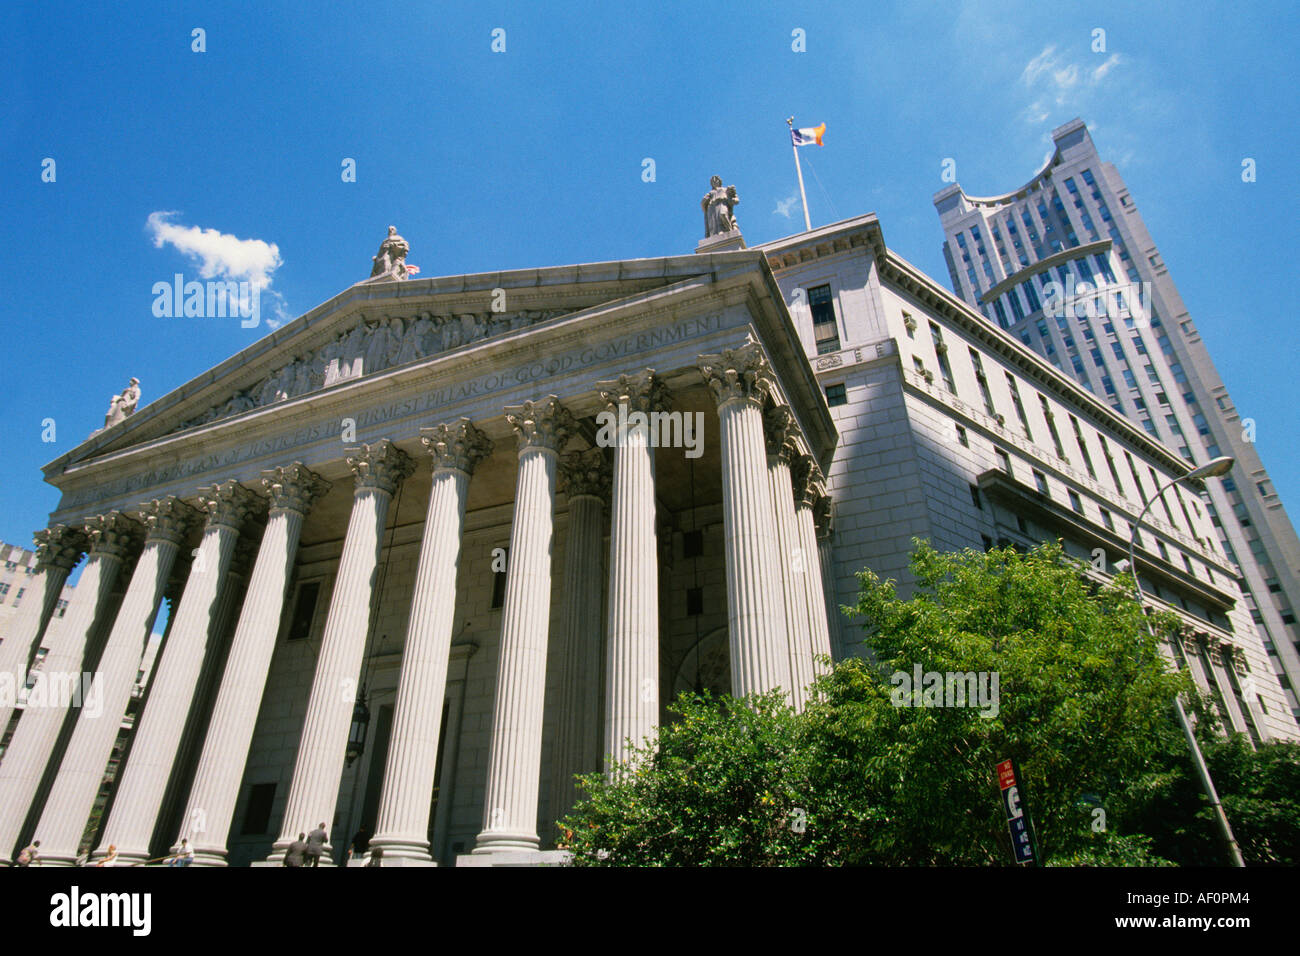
point(222, 255)
point(1059, 84)
point(783, 206)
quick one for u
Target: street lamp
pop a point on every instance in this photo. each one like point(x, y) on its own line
point(1212, 469)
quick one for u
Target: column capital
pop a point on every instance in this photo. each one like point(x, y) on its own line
point(824, 515)
point(381, 466)
point(229, 504)
point(807, 480)
point(168, 519)
point(641, 391)
point(114, 534)
point(59, 546)
point(543, 424)
point(781, 433)
point(738, 375)
point(457, 446)
point(586, 473)
point(293, 487)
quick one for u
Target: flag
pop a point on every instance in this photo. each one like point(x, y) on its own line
point(412, 269)
point(808, 136)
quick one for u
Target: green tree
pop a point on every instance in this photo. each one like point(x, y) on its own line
point(868, 774)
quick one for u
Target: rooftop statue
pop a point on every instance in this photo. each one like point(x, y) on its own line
point(390, 262)
point(123, 405)
point(718, 204)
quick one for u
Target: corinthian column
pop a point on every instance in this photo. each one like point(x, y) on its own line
point(154, 748)
point(58, 549)
point(577, 744)
point(379, 469)
point(211, 805)
point(781, 432)
point(808, 492)
point(740, 380)
point(632, 673)
point(515, 755)
point(403, 826)
point(824, 518)
point(113, 538)
point(167, 521)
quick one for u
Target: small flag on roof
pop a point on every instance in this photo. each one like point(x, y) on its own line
point(808, 136)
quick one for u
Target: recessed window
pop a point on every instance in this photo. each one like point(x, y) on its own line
point(1076, 503)
point(304, 612)
point(692, 544)
point(694, 602)
point(1004, 460)
point(962, 438)
point(836, 395)
point(975, 497)
point(826, 330)
point(988, 542)
point(257, 813)
point(1040, 480)
point(1107, 520)
point(499, 580)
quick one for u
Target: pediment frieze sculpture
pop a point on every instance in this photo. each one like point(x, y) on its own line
point(372, 344)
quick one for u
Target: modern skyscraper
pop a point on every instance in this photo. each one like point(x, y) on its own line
point(1066, 264)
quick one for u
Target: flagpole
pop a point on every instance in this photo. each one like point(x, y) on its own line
point(799, 172)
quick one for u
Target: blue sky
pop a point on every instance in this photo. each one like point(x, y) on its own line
point(533, 156)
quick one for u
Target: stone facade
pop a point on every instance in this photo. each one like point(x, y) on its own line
point(420, 596)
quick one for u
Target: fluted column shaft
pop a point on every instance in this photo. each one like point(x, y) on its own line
point(402, 829)
point(82, 771)
point(632, 674)
point(57, 551)
point(515, 752)
point(113, 537)
point(322, 749)
point(176, 675)
point(579, 735)
point(759, 647)
point(825, 627)
point(210, 807)
point(782, 434)
point(792, 566)
point(819, 634)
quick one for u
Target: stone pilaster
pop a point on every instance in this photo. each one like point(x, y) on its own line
point(211, 805)
point(379, 469)
point(113, 539)
point(577, 749)
point(168, 521)
point(402, 829)
point(741, 380)
point(782, 436)
point(58, 549)
point(632, 670)
point(515, 754)
point(143, 780)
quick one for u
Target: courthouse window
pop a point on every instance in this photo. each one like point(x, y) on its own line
point(499, 583)
point(836, 395)
point(304, 612)
point(826, 330)
point(257, 815)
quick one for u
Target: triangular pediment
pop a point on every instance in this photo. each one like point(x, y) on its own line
point(373, 327)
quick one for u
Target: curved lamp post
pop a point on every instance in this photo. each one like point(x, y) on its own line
point(1213, 469)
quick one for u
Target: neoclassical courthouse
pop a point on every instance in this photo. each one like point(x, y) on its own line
point(416, 580)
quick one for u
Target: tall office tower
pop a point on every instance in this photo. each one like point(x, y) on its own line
point(1066, 264)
